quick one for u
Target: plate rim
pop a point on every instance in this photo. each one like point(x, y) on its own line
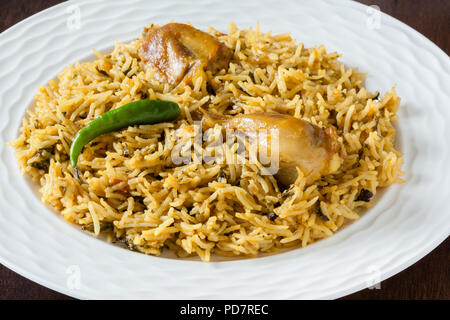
point(399, 268)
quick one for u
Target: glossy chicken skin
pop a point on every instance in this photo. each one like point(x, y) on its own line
point(176, 49)
point(301, 144)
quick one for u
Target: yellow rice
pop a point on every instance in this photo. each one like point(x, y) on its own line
point(130, 190)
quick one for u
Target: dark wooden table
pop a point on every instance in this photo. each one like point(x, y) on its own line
point(427, 279)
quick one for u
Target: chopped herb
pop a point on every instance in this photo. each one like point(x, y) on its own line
point(103, 72)
point(286, 193)
point(41, 165)
point(272, 216)
point(128, 243)
point(321, 215)
point(364, 195)
point(44, 154)
point(104, 226)
point(144, 95)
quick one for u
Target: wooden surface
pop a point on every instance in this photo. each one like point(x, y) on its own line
point(427, 279)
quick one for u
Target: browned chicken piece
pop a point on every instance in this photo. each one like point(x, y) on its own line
point(176, 49)
point(313, 150)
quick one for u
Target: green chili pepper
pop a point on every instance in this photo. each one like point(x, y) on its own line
point(133, 113)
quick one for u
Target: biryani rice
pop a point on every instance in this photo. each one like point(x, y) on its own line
point(130, 190)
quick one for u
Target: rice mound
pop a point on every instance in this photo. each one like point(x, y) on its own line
point(129, 189)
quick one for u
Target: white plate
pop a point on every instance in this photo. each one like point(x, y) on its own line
point(405, 224)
